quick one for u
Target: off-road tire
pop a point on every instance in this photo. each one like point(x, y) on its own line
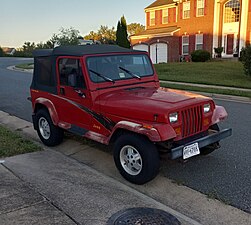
point(148, 152)
point(56, 134)
point(209, 149)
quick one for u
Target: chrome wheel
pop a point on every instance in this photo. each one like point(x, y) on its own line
point(131, 160)
point(44, 128)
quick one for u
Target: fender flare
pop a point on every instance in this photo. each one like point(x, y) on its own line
point(158, 133)
point(51, 108)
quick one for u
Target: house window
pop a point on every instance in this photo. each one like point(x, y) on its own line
point(186, 10)
point(232, 11)
point(199, 42)
point(152, 18)
point(185, 45)
point(200, 7)
point(164, 16)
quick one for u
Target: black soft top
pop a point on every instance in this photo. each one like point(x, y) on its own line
point(80, 50)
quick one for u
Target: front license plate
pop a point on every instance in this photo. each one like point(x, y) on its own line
point(191, 150)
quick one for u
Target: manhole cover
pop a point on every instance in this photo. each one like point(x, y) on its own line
point(143, 216)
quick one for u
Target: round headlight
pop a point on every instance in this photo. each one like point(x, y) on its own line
point(173, 117)
point(207, 108)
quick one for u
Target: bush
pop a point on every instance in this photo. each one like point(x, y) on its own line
point(218, 51)
point(200, 56)
point(245, 58)
point(1, 52)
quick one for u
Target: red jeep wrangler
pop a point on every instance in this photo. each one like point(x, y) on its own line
point(112, 95)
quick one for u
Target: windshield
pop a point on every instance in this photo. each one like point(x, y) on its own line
point(118, 67)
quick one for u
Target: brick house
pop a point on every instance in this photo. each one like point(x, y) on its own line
point(175, 28)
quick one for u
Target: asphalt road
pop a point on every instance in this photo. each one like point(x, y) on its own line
point(14, 88)
point(225, 174)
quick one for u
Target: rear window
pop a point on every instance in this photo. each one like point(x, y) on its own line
point(119, 67)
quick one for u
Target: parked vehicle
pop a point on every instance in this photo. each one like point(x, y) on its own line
point(113, 96)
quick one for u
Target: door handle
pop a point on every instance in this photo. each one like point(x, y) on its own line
point(62, 91)
point(80, 93)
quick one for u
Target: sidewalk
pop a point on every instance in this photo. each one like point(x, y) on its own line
point(206, 86)
point(78, 184)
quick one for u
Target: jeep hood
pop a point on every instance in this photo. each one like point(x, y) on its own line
point(144, 103)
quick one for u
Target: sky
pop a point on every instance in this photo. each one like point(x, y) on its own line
point(37, 20)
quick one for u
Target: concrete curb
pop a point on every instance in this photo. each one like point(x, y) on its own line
point(206, 86)
point(19, 69)
point(188, 205)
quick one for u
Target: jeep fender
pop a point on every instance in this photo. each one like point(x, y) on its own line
point(51, 108)
point(156, 133)
point(219, 114)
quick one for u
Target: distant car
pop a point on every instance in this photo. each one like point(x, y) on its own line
point(112, 95)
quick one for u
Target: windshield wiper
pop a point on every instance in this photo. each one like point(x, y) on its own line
point(102, 76)
point(130, 73)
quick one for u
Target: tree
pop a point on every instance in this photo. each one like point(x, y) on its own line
point(135, 28)
point(66, 36)
point(1, 52)
point(26, 50)
point(121, 33)
point(245, 58)
point(105, 35)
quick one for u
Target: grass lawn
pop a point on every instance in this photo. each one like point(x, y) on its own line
point(13, 144)
point(25, 66)
point(208, 90)
point(223, 73)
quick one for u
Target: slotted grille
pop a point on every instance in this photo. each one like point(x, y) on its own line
point(191, 121)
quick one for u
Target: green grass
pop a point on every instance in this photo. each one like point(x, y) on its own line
point(25, 66)
point(223, 73)
point(208, 90)
point(13, 144)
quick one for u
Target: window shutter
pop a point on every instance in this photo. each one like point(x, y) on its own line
point(156, 17)
point(174, 15)
point(191, 43)
point(205, 7)
point(204, 41)
point(195, 8)
point(148, 19)
point(180, 40)
point(159, 21)
point(181, 10)
point(169, 15)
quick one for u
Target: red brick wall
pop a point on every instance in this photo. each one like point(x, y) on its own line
point(195, 25)
point(191, 26)
point(249, 25)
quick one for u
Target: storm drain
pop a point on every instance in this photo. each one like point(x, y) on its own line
point(143, 216)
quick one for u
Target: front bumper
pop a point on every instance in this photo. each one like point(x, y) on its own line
point(202, 142)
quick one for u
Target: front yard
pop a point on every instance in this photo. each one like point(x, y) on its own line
point(223, 73)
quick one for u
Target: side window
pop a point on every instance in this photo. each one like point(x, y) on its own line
point(44, 72)
point(70, 73)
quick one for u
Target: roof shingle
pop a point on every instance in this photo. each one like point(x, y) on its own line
point(158, 31)
point(160, 3)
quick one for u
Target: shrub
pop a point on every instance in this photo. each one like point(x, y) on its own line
point(200, 56)
point(218, 51)
point(245, 58)
point(1, 52)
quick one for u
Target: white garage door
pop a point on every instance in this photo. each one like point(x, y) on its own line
point(141, 47)
point(159, 53)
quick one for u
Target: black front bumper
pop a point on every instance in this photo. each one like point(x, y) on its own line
point(202, 142)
